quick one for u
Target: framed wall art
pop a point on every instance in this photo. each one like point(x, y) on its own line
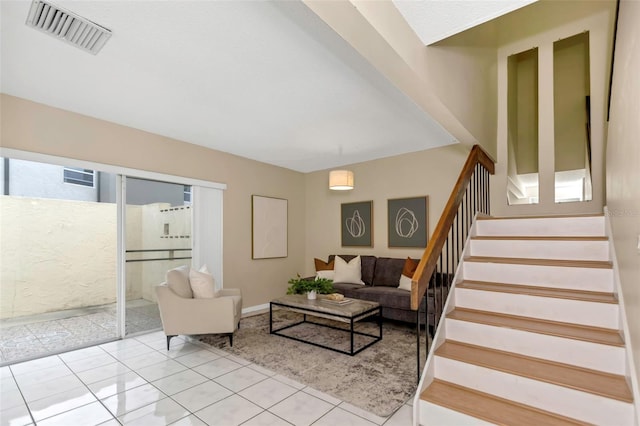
point(356, 224)
point(408, 222)
point(268, 227)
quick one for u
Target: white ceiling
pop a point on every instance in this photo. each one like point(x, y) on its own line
point(435, 20)
point(264, 80)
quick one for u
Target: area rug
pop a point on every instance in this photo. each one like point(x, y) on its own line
point(379, 379)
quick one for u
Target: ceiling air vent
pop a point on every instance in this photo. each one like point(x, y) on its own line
point(67, 26)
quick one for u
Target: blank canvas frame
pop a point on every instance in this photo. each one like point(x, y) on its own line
point(268, 227)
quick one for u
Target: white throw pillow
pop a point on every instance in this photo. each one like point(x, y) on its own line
point(405, 283)
point(202, 284)
point(328, 274)
point(348, 272)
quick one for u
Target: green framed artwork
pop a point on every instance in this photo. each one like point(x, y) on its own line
point(408, 222)
point(356, 224)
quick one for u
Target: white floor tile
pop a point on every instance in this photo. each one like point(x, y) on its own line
point(43, 375)
point(229, 412)
point(160, 413)
point(91, 362)
point(262, 370)
point(132, 399)
point(10, 398)
point(239, 360)
point(240, 379)
point(112, 422)
point(196, 358)
point(5, 372)
point(36, 364)
point(37, 391)
point(402, 417)
point(15, 416)
point(217, 367)
point(116, 384)
point(362, 413)
point(121, 345)
point(156, 335)
point(301, 409)
point(60, 402)
point(267, 419)
point(180, 381)
point(268, 392)
point(87, 415)
point(144, 360)
point(200, 396)
point(160, 370)
point(191, 420)
point(201, 381)
point(81, 353)
point(289, 381)
point(101, 373)
point(338, 416)
point(323, 396)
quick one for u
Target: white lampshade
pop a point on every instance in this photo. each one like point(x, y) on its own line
point(340, 180)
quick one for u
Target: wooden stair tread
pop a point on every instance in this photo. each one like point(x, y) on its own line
point(595, 382)
point(490, 407)
point(599, 335)
point(560, 216)
point(558, 293)
point(542, 262)
point(540, 238)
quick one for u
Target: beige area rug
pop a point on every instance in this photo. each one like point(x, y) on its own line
point(379, 379)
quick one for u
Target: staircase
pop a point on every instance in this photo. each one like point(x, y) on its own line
point(531, 331)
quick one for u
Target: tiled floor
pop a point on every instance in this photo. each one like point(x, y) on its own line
point(136, 381)
point(37, 335)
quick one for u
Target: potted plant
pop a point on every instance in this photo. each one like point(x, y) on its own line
point(311, 287)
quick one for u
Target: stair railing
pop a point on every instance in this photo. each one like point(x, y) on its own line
point(435, 272)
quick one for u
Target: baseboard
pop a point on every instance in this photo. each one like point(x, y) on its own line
point(257, 309)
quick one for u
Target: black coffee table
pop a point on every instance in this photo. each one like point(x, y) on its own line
point(349, 313)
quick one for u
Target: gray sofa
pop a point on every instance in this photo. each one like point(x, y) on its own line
point(381, 276)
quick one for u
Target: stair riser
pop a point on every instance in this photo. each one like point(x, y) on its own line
point(606, 358)
point(437, 415)
point(565, 310)
point(588, 226)
point(558, 399)
point(561, 250)
point(591, 279)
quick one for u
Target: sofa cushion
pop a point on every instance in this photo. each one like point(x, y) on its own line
point(368, 264)
point(348, 272)
point(388, 297)
point(349, 290)
point(387, 272)
point(178, 281)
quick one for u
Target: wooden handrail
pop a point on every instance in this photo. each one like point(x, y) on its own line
point(427, 265)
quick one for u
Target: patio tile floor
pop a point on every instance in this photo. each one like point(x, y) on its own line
point(33, 336)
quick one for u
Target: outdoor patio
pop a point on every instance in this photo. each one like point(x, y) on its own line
point(33, 336)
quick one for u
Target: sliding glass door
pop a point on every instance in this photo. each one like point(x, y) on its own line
point(157, 237)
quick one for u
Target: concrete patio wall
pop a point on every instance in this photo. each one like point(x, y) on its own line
point(61, 254)
point(55, 255)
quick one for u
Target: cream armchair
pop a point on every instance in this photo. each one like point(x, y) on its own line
point(182, 314)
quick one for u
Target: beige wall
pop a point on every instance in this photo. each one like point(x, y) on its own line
point(623, 165)
point(38, 128)
point(433, 173)
point(54, 257)
point(517, 33)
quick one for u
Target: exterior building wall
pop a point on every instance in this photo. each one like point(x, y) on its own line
point(40, 180)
